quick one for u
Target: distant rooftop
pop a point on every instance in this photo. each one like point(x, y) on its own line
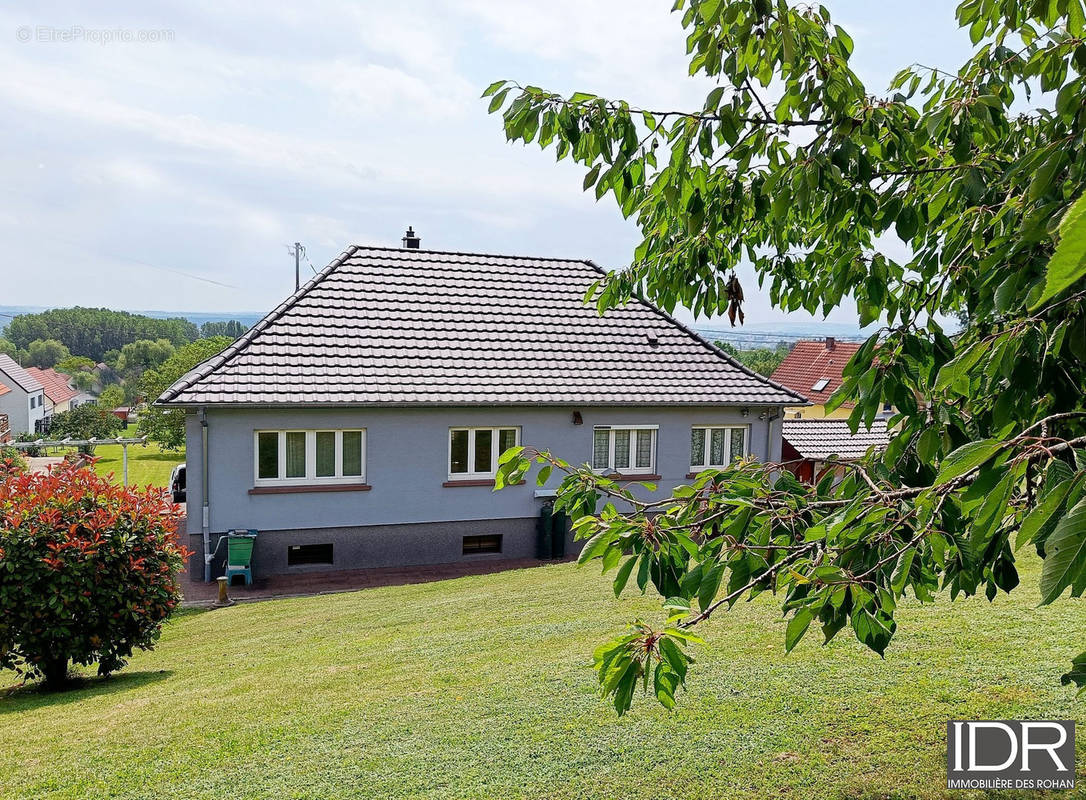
point(813, 368)
point(820, 439)
point(18, 375)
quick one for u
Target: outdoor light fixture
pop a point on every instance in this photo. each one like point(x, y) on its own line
point(745, 412)
point(576, 419)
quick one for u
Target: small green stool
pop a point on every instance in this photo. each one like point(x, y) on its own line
point(239, 555)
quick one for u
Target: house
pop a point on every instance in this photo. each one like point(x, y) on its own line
point(812, 435)
point(359, 424)
point(808, 444)
point(59, 395)
point(24, 402)
point(813, 368)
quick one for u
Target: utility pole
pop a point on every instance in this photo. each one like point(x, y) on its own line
point(297, 251)
point(297, 266)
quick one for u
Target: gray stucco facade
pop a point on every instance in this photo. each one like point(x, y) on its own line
point(409, 515)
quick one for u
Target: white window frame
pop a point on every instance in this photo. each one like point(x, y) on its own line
point(632, 469)
point(707, 448)
point(495, 451)
point(310, 458)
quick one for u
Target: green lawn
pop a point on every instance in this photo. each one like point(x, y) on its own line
point(479, 687)
point(148, 464)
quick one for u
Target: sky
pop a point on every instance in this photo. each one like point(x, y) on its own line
point(162, 156)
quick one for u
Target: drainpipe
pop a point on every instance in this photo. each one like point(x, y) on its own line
point(205, 514)
point(769, 434)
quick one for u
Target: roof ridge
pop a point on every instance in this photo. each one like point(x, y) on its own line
point(704, 342)
point(205, 368)
point(409, 250)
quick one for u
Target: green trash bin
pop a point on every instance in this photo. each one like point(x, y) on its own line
point(559, 528)
point(544, 527)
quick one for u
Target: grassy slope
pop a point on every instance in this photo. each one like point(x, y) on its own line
point(479, 687)
point(148, 464)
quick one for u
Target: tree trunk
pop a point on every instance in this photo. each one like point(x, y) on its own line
point(56, 673)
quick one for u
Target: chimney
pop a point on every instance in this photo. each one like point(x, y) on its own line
point(410, 240)
point(830, 341)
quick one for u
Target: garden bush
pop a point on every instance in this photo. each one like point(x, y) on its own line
point(88, 571)
point(31, 452)
point(11, 461)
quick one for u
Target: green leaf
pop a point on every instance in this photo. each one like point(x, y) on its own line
point(797, 626)
point(901, 572)
point(960, 365)
point(966, 458)
point(907, 223)
point(622, 577)
point(595, 546)
point(497, 102)
point(1044, 514)
point(1068, 264)
point(489, 90)
point(1077, 675)
point(675, 657)
point(590, 178)
point(677, 604)
point(710, 584)
point(665, 682)
point(1065, 554)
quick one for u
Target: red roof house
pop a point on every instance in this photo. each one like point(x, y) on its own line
point(57, 391)
point(813, 369)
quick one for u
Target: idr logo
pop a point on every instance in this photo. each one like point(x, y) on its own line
point(1010, 755)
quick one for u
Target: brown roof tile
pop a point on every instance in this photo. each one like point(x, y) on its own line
point(383, 326)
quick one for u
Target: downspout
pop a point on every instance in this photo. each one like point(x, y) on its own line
point(768, 434)
point(205, 528)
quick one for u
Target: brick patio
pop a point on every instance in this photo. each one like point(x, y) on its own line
point(198, 593)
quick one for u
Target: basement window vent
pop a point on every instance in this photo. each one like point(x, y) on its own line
point(820, 385)
point(482, 544)
point(300, 554)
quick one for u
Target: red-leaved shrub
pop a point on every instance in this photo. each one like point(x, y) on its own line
point(88, 571)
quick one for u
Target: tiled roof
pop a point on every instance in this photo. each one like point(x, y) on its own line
point(382, 326)
point(55, 384)
point(25, 381)
point(809, 363)
point(822, 438)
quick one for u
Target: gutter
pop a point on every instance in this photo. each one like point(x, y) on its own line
point(205, 516)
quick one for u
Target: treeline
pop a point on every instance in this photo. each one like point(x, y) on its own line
point(103, 351)
point(99, 334)
point(94, 332)
point(763, 360)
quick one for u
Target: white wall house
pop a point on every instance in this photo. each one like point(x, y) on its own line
point(24, 400)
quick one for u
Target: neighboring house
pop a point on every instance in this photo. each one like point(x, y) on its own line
point(24, 402)
point(59, 395)
point(811, 435)
point(359, 424)
point(813, 369)
point(810, 443)
point(82, 398)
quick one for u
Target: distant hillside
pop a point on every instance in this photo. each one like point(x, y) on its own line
point(770, 334)
point(246, 318)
